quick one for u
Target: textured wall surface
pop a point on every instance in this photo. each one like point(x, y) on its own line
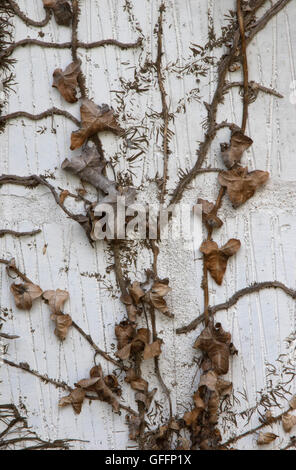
point(266, 225)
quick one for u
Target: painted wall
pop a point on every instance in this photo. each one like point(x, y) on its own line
point(266, 225)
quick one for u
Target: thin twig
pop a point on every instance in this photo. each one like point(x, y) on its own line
point(245, 64)
point(6, 336)
point(254, 86)
point(68, 45)
point(29, 21)
point(165, 110)
point(256, 287)
point(18, 234)
point(36, 117)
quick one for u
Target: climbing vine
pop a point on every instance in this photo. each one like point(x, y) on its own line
point(199, 427)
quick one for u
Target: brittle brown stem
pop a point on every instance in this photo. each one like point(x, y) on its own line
point(256, 287)
point(36, 117)
point(245, 64)
point(18, 234)
point(29, 21)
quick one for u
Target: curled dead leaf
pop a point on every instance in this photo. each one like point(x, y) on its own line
point(208, 217)
point(24, 294)
point(215, 342)
point(94, 119)
point(266, 438)
point(241, 185)
point(101, 386)
point(63, 323)
point(232, 153)
point(75, 399)
point(66, 81)
point(288, 421)
point(216, 258)
point(61, 9)
point(152, 350)
point(134, 425)
point(146, 398)
point(56, 300)
point(155, 296)
point(136, 292)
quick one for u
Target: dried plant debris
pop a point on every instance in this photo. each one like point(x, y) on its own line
point(75, 399)
point(266, 438)
point(132, 341)
point(208, 215)
point(242, 185)
point(288, 421)
point(94, 119)
point(89, 167)
point(63, 323)
point(216, 343)
point(56, 300)
point(216, 258)
point(62, 11)
point(66, 81)
point(156, 294)
point(24, 294)
point(101, 385)
point(233, 153)
point(292, 403)
point(134, 424)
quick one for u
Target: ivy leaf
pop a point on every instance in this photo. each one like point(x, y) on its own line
point(216, 258)
point(208, 217)
point(75, 399)
point(241, 185)
point(98, 384)
point(25, 294)
point(266, 438)
point(56, 300)
point(156, 295)
point(63, 323)
point(233, 153)
point(94, 119)
point(66, 81)
point(62, 11)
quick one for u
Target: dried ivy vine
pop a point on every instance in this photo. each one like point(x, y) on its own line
point(197, 429)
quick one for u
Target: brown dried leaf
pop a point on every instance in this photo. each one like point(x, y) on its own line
point(62, 11)
point(56, 299)
point(94, 119)
point(152, 350)
point(136, 292)
point(134, 425)
point(242, 185)
point(216, 259)
point(63, 323)
point(88, 167)
point(288, 421)
point(156, 294)
point(232, 154)
point(215, 342)
point(208, 217)
point(24, 294)
point(124, 333)
point(75, 399)
point(131, 343)
point(266, 438)
point(66, 81)
point(97, 383)
point(146, 398)
point(64, 194)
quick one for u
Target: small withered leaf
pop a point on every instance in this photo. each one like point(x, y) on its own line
point(75, 399)
point(63, 323)
point(146, 398)
point(124, 333)
point(266, 438)
point(24, 294)
point(56, 299)
point(209, 380)
point(152, 350)
point(134, 425)
point(88, 166)
point(155, 296)
point(94, 119)
point(288, 421)
point(241, 185)
point(136, 292)
point(112, 383)
point(238, 144)
point(208, 217)
point(66, 81)
point(216, 259)
point(98, 384)
point(215, 342)
point(62, 11)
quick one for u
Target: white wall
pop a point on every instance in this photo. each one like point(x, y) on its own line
point(265, 225)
